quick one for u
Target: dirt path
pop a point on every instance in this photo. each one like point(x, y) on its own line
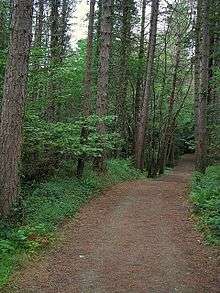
point(136, 238)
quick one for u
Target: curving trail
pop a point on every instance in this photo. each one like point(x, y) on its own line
point(136, 238)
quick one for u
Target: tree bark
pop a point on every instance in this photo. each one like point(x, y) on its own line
point(166, 137)
point(51, 112)
point(102, 93)
point(89, 58)
point(201, 119)
point(97, 39)
point(64, 27)
point(13, 103)
point(87, 82)
point(39, 24)
point(124, 69)
point(140, 66)
point(144, 104)
point(55, 49)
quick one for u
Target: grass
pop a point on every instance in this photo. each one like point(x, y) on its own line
point(46, 205)
point(205, 196)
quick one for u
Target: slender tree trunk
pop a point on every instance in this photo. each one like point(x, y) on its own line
point(168, 128)
point(37, 44)
point(89, 59)
point(13, 103)
point(144, 105)
point(197, 65)
point(11, 5)
point(51, 112)
point(64, 27)
point(124, 61)
point(201, 119)
point(55, 49)
point(140, 67)
point(87, 81)
point(216, 98)
point(39, 24)
point(171, 154)
point(97, 40)
point(102, 94)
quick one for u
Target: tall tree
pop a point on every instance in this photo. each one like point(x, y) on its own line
point(213, 106)
point(97, 38)
point(201, 113)
point(13, 103)
point(55, 60)
point(169, 124)
point(87, 80)
point(127, 6)
point(55, 49)
point(144, 104)
point(58, 45)
point(39, 24)
point(140, 65)
point(65, 14)
point(89, 59)
point(102, 93)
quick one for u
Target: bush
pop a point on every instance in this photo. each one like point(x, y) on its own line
point(206, 199)
point(47, 145)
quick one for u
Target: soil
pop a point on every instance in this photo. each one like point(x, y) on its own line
point(138, 237)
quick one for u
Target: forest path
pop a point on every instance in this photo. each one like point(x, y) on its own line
point(136, 238)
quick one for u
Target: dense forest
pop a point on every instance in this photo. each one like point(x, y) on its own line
point(140, 90)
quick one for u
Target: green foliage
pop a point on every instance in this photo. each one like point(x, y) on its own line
point(184, 137)
point(46, 205)
point(46, 144)
point(62, 84)
point(4, 37)
point(206, 199)
point(122, 170)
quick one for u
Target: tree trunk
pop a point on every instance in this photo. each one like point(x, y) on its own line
point(140, 67)
point(55, 49)
point(102, 94)
point(39, 24)
point(89, 58)
point(144, 105)
point(87, 82)
point(13, 103)
point(64, 27)
point(51, 112)
point(97, 40)
point(124, 62)
point(197, 65)
point(169, 125)
point(201, 119)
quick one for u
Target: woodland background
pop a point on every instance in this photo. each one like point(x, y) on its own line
point(142, 89)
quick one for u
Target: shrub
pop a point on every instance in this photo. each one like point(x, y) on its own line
point(206, 199)
point(47, 145)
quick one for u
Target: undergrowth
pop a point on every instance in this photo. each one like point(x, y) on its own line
point(206, 202)
point(46, 205)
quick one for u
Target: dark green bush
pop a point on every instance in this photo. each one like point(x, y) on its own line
point(206, 199)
